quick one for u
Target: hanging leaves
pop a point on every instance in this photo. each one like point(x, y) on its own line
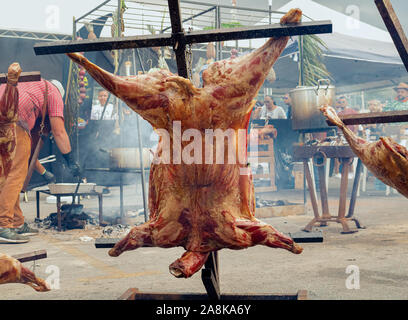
point(313, 67)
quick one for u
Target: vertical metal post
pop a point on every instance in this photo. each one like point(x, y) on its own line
point(74, 31)
point(177, 30)
point(270, 11)
point(37, 199)
point(119, 102)
point(218, 26)
point(73, 28)
point(122, 209)
point(302, 138)
point(139, 136)
point(301, 62)
point(119, 24)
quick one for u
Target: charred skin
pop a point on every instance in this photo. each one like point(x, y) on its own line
point(201, 207)
point(12, 271)
point(8, 119)
point(385, 158)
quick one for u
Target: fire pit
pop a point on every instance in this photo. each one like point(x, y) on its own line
point(277, 208)
point(76, 219)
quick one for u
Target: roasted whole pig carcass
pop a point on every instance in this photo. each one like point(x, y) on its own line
point(12, 271)
point(201, 207)
point(8, 119)
point(386, 159)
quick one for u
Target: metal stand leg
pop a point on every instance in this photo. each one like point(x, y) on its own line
point(312, 196)
point(37, 199)
point(122, 210)
point(355, 188)
point(343, 196)
point(353, 199)
point(364, 182)
point(323, 194)
point(59, 212)
point(210, 277)
point(100, 208)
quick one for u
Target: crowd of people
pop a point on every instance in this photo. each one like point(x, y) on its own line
point(270, 109)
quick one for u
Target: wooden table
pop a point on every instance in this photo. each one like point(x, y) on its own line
point(319, 155)
point(265, 156)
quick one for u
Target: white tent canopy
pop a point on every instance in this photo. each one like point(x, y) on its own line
point(342, 23)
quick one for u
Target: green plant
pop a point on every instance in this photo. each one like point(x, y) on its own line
point(226, 25)
point(152, 29)
point(313, 66)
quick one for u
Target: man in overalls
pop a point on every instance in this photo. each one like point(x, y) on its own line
point(34, 97)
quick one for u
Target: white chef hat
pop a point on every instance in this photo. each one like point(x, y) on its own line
point(59, 86)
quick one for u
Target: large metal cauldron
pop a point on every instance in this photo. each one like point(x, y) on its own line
point(128, 158)
point(306, 102)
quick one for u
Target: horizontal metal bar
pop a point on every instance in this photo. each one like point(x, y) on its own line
point(231, 7)
point(103, 44)
point(36, 255)
point(106, 242)
point(267, 31)
point(134, 294)
point(374, 117)
point(316, 27)
point(306, 152)
point(24, 76)
point(94, 9)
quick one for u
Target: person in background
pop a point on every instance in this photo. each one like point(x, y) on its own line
point(272, 111)
point(97, 109)
point(343, 109)
point(401, 100)
point(257, 111)
point(376, 130)
point(288, 101)
point(13, 228)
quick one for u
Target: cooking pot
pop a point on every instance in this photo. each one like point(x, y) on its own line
point(306, 102)
point(128, 158)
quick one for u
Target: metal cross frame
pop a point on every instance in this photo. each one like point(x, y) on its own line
point(179, 39)
point(394, 28)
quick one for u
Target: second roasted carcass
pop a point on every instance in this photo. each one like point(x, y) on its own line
point(8, 119)
point(12, 271)
point(201, 206)
point(386, 159)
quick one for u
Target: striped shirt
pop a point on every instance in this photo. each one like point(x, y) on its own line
point(31, 100)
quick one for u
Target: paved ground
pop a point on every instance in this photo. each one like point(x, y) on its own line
point(377, 257)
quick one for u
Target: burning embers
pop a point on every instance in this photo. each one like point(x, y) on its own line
point(76, 219)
